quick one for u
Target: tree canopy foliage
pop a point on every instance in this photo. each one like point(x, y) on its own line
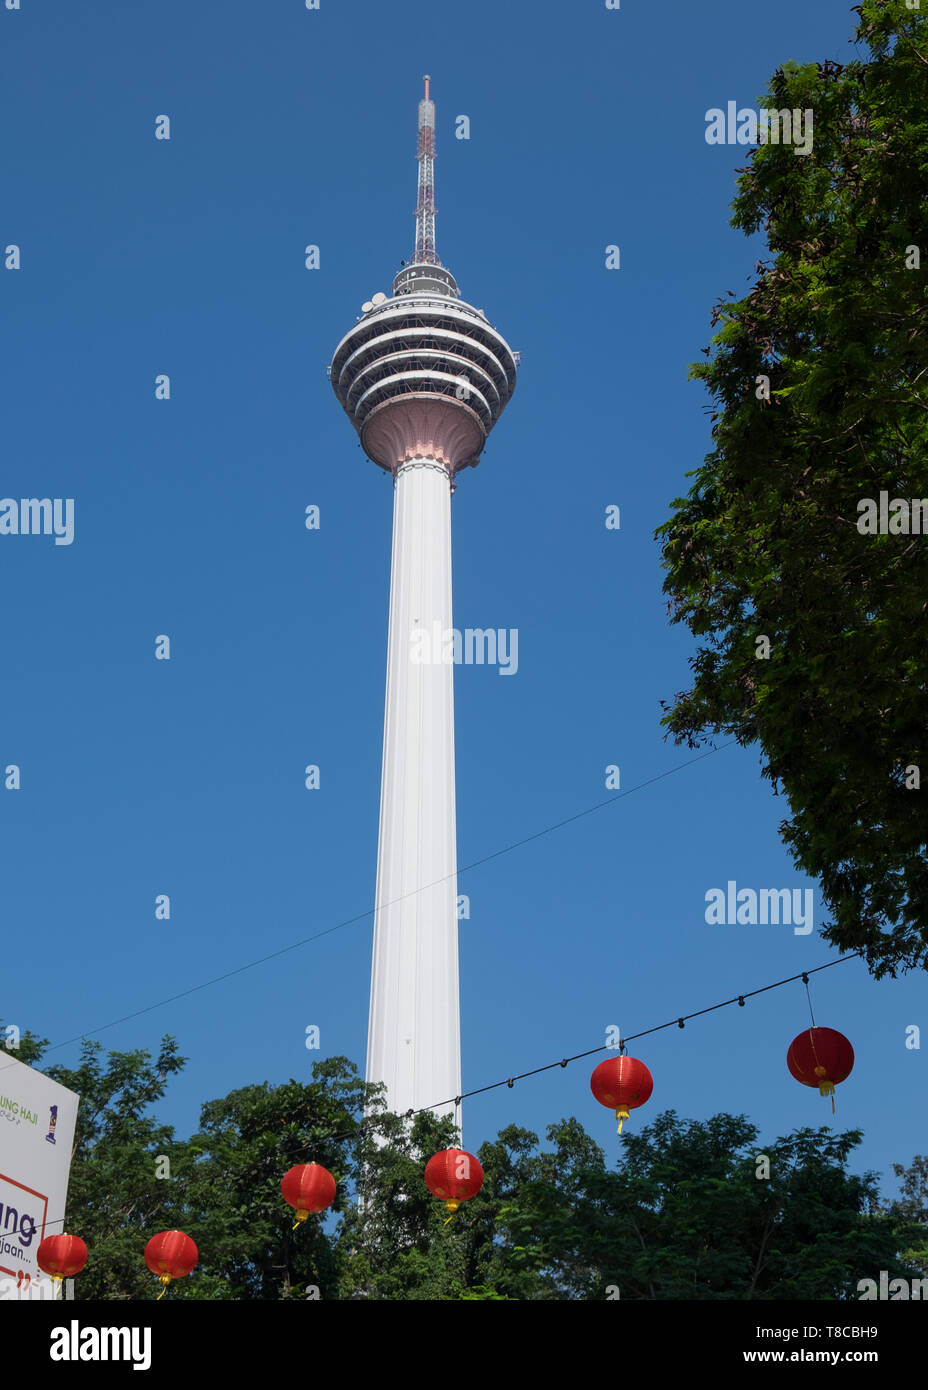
point(766, 543)
point(688, 1210)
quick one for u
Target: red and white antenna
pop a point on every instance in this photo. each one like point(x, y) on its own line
point(425, 253)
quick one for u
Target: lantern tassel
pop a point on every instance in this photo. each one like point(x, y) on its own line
point(452, 1207)
point(825, 1087)
point(164, 1279)
point(621, 1115)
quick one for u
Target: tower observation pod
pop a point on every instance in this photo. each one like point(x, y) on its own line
point(423, 377)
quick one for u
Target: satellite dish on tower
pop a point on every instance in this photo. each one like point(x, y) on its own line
point(366, 307)
point(379, 298)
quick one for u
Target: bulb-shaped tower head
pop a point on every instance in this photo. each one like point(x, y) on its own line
point(422, 374)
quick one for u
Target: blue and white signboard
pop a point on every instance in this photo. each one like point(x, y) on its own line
point(37, 1121)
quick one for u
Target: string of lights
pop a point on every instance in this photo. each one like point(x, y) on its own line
point(679, 1022)
point(363, 1126)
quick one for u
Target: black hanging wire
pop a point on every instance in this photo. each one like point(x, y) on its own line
point(805, 981)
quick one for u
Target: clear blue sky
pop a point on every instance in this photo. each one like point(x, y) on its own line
point(185, 777)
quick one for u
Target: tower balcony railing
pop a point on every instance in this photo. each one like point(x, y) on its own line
point(419, 383)
point(466, 352)
point(468, 375)
point(438, 312)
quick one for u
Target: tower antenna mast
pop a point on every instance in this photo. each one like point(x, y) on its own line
point(425, 253)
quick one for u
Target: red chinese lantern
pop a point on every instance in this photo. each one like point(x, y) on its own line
point(170, 1255)
point(453, 1176)
point(622, 1084)
point(308, 1188)
point(61, 1256)
point(821, 1057)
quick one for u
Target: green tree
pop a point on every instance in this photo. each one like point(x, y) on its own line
point(912, 1207)
point(230, 1186)
point(400, 1242)
point(690, 1214)
point(687, 1211)
point(222, 1186)
point(766, 543)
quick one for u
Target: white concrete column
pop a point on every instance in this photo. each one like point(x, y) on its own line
point(414, 1043)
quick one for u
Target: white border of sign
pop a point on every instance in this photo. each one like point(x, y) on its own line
point(37, 1122)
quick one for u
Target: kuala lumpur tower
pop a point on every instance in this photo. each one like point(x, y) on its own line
point(423, 378)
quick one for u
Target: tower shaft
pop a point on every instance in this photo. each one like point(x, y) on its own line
point(414, 1034)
